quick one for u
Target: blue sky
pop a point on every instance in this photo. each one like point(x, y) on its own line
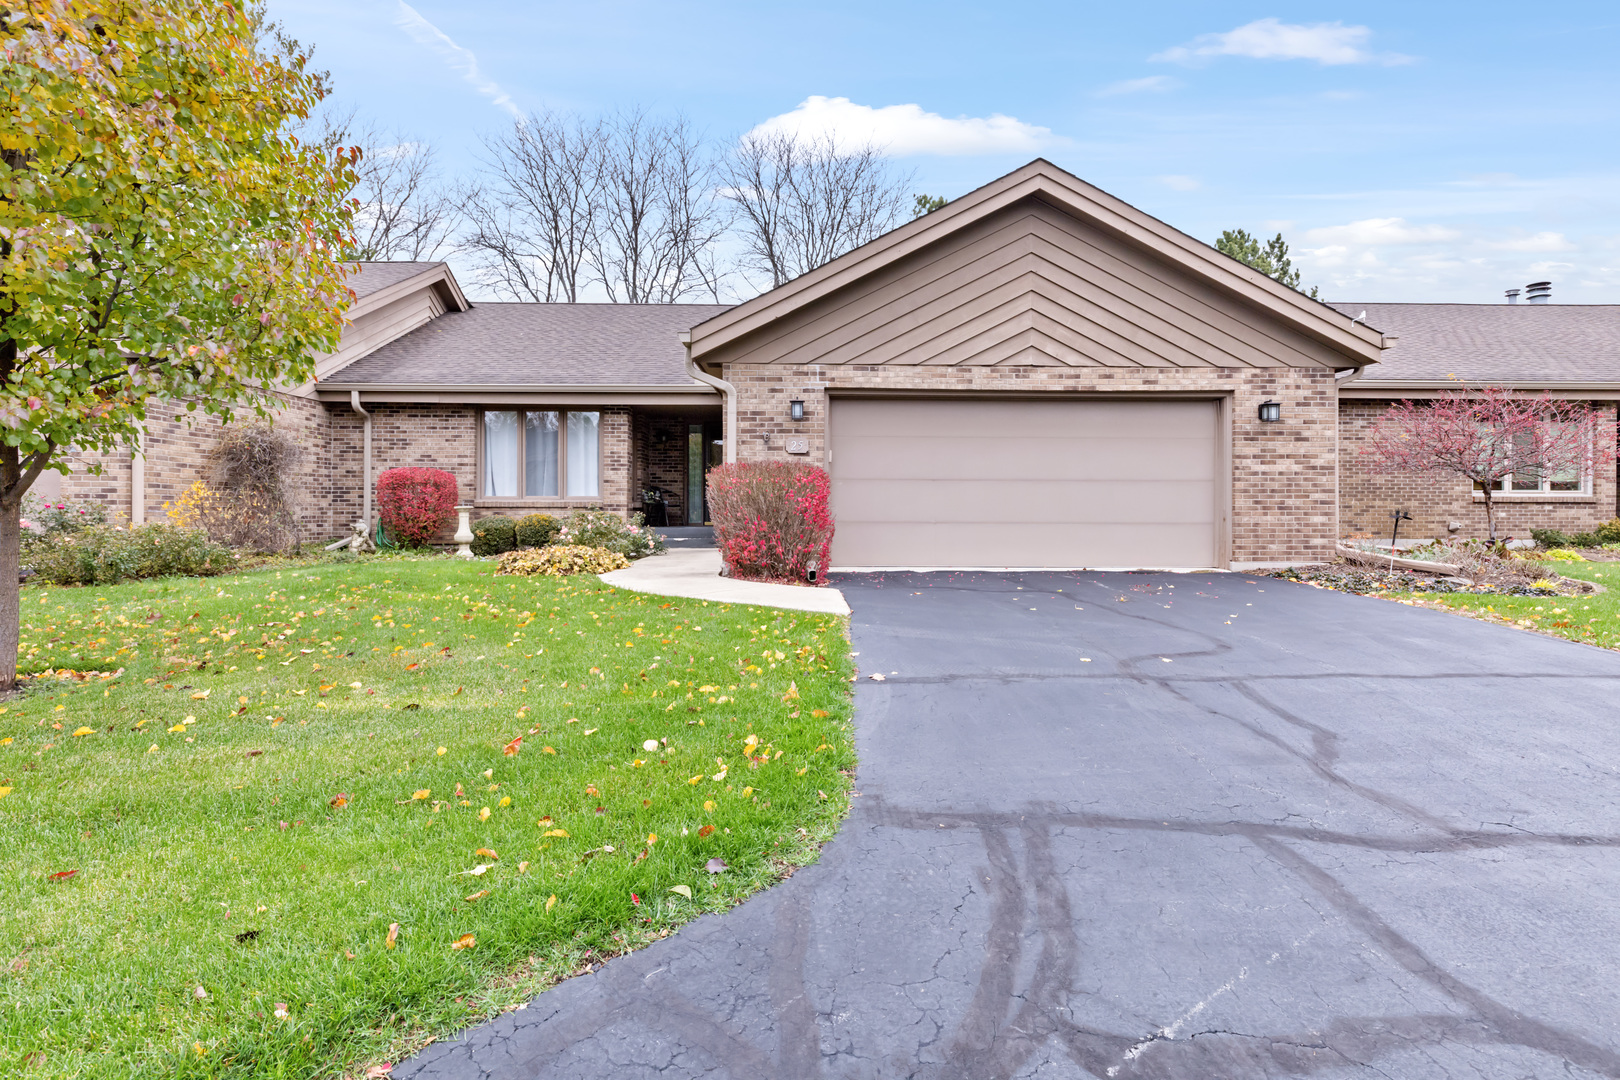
point(1411, 151)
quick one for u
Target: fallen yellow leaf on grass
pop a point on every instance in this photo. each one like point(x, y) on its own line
point(682, 890)
point(178, 727)
point(465, 941)
point(477, 896)
point(393, 935)
point(421, 793)
point(506, 800)
point(242, 700)
point(696, 780)
point(84, 731)
point(523, 868)
point(441, 751)
point(552, 902)
point(556, 832)
point(547, 750)
point(487, 853)
point(818, 712)
point(792, 692)
point(201, 695)
point(483, 815)
point(4, 791)
point(477, 871)
point(709, 806)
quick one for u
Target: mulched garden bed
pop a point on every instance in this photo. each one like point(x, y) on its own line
point(1345, 577)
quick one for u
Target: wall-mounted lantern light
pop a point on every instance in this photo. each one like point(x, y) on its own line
point(1270, 412)
point(796, 409)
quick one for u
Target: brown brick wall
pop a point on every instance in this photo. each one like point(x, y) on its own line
point(1368, 496)
point(1284, 476)
point(178, 443)
point(327, 489)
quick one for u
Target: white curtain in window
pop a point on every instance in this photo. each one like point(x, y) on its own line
point(540, 454)
point(501, 454)
point(584, 458)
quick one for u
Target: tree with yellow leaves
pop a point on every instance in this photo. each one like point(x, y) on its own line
point(163, 234)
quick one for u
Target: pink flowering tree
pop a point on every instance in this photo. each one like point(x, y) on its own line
point(1487, 434)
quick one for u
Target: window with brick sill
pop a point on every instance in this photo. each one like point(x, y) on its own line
point(551, 455)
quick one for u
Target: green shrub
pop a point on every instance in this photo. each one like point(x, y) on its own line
point(60, 517)
point(1564, 555)
point(1609, 532)
point(104, 554)
point(493, 535)
point(604, 529)
point(537, 530)
point(1550, 538)
point(560, 559)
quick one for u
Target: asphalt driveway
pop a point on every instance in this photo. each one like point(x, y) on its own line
point(1158, 825)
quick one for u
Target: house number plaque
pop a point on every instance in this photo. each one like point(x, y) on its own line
point(798, 444)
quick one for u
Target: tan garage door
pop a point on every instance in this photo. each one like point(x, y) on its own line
point(1024, 483)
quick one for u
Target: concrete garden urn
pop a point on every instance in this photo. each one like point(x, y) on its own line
point(464, 533)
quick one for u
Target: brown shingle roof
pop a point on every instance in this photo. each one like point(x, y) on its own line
point(538, 345)
point(1525, 344)
point(369, 277)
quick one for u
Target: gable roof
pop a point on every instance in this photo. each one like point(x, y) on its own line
point(513, 347)
point(378, 283)
point(1530, 346)
point(1351, 345)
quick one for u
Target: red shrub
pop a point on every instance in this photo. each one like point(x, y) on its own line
point(771, 519)
point(415, 503)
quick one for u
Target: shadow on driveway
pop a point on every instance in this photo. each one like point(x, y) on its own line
point(1157, 825)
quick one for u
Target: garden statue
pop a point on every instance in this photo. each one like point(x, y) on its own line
point(360, 540)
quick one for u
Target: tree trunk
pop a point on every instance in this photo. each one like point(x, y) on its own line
point(10, 591)
point(1490, 512)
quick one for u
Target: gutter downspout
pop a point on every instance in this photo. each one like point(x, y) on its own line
point(365, 458)
point(137, 478)
point(727, 391)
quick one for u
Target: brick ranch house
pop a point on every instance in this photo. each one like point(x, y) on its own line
point(1037, 374)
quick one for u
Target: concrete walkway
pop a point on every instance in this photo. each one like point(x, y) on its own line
point(695, 573)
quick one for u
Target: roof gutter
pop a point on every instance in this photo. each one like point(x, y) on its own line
point(365, 460)
point(727, 391)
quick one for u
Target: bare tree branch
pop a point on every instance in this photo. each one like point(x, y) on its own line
point(404, 211)
point(802, 202)
point(533, 220)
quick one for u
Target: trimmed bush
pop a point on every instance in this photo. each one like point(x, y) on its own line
point(560, 559)
point(1550, 538)
point(415, 504)
point(771, 519)
point(537, 530)
point(494, 535)
point(1609, 531)
point(104, 554)
point(604, 529)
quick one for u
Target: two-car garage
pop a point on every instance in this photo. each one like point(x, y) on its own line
point(1020, 482)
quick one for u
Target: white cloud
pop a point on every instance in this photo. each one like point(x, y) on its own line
point(1157, 84)
point(1541, 241)
point(1378, 232)
point(1271, 39)
point(903, 130)
point(1181, 183)
point(462, 60)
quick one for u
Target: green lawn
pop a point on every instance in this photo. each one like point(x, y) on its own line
point(1592, 619)
point(295, 761)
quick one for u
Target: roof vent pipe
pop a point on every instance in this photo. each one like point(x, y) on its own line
point(1538, 292)
point(1513, 296)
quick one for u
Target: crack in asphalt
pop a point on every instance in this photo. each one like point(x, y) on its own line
point(1039, 963)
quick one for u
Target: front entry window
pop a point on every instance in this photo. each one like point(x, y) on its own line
point(539, 454)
